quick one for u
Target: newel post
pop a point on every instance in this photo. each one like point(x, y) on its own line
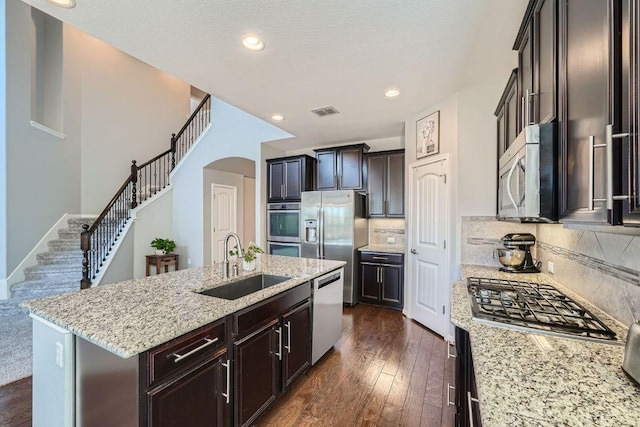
point(173, 151)
point(134, 181)
point(85, 245)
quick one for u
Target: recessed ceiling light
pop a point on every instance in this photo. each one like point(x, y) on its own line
point(64, 3)
point(252, 42)
point(392, 93)
point(277, 117)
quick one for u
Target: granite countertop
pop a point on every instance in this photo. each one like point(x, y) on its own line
point(575, 383)
point(133, 316)
point(392, 249)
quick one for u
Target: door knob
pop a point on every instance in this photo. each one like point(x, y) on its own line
point(413, 251)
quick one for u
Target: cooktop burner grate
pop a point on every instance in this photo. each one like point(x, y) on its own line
point(534, 306)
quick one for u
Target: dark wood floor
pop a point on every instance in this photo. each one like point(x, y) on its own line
point(385, 371)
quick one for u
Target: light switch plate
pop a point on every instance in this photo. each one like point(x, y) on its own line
point(59, 354)
point(551, 268)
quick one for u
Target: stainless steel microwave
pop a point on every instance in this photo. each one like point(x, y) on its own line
point(528, 178)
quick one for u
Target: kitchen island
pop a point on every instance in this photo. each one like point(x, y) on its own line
point(521, 382)
point(153, 339)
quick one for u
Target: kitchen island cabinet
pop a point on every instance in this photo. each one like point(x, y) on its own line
point(146, 346)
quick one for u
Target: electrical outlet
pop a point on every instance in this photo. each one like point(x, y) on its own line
point(59, 354)
point(391, 239)
point(551, 268)
point(188, 261)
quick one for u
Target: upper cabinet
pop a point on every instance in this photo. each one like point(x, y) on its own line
point(536, 44)
point(507, 114)
point(578, 65)
point(341, 168)
point(288, 177)
point(385, 184)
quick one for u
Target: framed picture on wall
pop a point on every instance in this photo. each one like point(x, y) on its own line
point(428, 135)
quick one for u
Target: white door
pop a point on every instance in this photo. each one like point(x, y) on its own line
point(224, 217)
point(428, 246)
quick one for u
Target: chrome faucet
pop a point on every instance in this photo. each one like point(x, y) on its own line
point(225, 262)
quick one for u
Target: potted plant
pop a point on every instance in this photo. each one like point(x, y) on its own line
point(248, 256)
point(163, 246)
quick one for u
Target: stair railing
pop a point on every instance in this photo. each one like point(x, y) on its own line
point(144, 181)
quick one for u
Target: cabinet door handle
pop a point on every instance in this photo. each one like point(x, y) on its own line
point(381, 275)
point(449, 388)
point(592, 199)
point(610, 136)
point(282, 191)
point(469, 400)
point(279, 352)
point(378, 274)
point(449, 355)
point(228, 366)
point(522, 111)
point(179, 357)
point(288, 346)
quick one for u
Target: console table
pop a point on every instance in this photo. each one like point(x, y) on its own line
point(161, 260)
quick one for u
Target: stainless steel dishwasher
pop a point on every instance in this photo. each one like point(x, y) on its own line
point(327, 312)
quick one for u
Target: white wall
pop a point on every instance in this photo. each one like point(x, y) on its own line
point(3, 158)
point(382, 144)
point(234, 133)
point(43, 171)
point(121, 266)
point(114, 109)
point(129, 111)
point(153, 219)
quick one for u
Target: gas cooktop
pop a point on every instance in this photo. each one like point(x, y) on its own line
point(536, 307)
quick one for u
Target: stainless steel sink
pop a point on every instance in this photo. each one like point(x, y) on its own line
point(244, 287)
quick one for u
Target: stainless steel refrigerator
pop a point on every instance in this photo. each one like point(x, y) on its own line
point(335, 226)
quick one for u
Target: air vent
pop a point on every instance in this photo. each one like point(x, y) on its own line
point(325, 111)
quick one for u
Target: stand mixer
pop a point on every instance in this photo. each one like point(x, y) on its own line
point(516, 258)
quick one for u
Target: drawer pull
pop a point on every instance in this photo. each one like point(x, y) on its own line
point(179, 357)
point(384, 258)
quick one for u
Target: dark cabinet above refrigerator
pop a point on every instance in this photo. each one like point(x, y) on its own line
point(341, 168)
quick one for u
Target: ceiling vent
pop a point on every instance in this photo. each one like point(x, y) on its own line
point(325, 111)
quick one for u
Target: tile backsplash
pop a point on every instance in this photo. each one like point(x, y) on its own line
point(382, 230)
point(602, 268)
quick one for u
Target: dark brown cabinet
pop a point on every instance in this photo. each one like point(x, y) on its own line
point(467, 405)
point(507, 114)
point(341, 168)
point(589, 103)
point(382, 279)
point(385, 184)
point(256, 373)
point(272, 347)
point(195, 398)
point(288, 177)
point(188, 380)
point(536, 44)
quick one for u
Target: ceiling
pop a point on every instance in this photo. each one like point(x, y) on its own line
point(318, 53)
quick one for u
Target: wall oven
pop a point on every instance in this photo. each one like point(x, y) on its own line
point(285, 249)
point(284, 222)
point(527, 176)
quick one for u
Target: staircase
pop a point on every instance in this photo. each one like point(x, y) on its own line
point(58, 270)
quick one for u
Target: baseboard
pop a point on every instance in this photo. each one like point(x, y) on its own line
point(31, 259)
point(4, 289)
